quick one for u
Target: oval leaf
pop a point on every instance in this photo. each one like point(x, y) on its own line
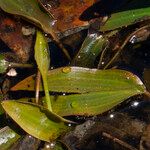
point(35, 121)
point(83, 80)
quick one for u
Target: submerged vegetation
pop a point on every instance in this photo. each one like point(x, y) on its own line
point(79, 71)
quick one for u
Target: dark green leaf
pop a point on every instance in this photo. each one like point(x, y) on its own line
point(125, 18)
point(90, 49)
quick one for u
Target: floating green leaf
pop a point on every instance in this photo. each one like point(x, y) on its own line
point(43, 61)
point(90, 49)
point(84, 80)
point(7, 138)
point(35, 121)
point(125, 18)
point(93, 103)
point(29, 9)
point(101, 89)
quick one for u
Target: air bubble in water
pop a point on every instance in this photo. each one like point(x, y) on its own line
point(133, 39)
point(52, 23)
point(135, 104)
point(30, 136)
point(50, 145)
point(69, 125)
point(111, 115)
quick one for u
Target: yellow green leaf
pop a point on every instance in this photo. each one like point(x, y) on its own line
point(35, 121)
point(84, 80)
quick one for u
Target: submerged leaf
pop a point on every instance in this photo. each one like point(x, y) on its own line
point(90, 49)
point(30, 10)
point(84, 80)
point(7, 138)
point(35, 121)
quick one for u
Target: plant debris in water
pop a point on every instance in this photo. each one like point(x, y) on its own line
point(75, 74)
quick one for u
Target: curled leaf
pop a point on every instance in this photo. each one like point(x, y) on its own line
point(43, 61)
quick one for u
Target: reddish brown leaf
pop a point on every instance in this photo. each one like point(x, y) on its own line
point(67, 13)
point(11, 34)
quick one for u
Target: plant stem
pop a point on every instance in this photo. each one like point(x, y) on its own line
point(124, 44)
point(47, 96)
point(54, 37)
point(19, 65)
point(120, 142)
point(37, 86)
point(101, 57)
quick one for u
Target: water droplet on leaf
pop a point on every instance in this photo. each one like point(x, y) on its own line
point(66, 70)
point(74, 104)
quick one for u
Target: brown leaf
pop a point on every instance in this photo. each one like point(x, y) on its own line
point(11, 34)
point(145, 139)
point(67, 13)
